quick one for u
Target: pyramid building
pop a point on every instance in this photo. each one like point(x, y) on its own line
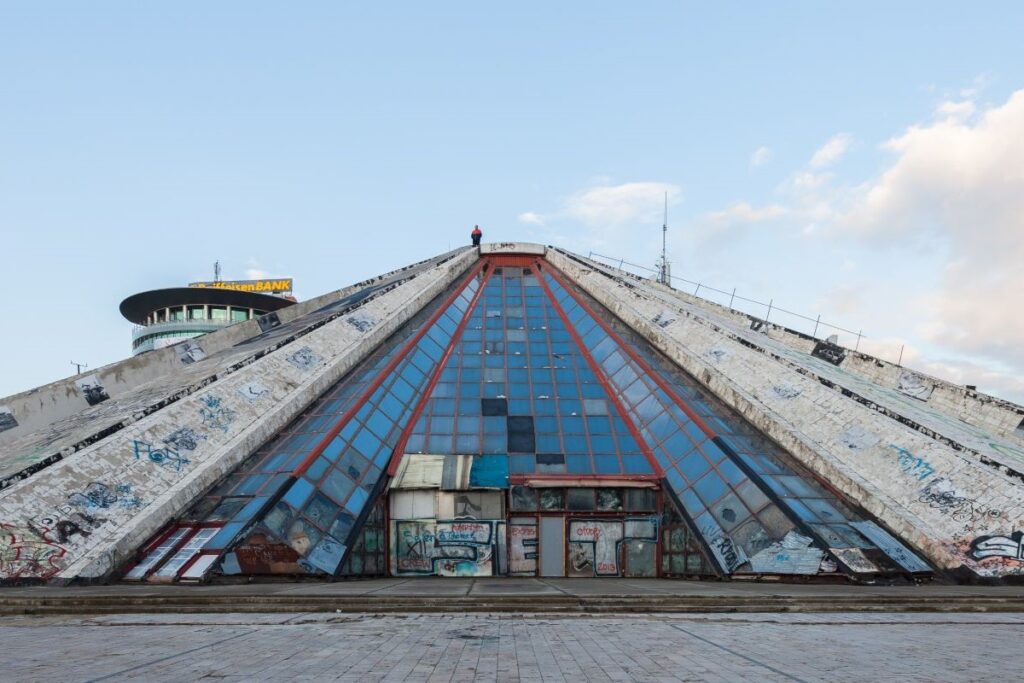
point(512, 410)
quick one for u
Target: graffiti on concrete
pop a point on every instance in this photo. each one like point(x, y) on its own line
point(29, 552)
point(253, 391)
point(942, 496)
point(1012, 547)
point(304, 359)
point(912, 465)
point(65, 527)
point(444, 547)
point(7, 420)
point(167, 457)
point(215, 414)
point(914, 385)
point(190, 352)
point(786, 391)
point(665, 318)
point(361, 320)
point(829, 352)
point(98, 495)
point(523, 548)
point(184, 439)
point(92, 389)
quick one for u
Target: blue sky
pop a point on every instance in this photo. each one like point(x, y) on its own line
point(858, 162)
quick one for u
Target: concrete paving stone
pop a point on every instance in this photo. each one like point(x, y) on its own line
point(734, 647)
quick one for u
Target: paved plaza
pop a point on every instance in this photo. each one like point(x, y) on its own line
point(509, 647)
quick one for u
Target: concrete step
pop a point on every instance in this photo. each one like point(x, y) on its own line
point(604, 604)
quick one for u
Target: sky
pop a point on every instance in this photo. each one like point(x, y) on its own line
point(862, 162)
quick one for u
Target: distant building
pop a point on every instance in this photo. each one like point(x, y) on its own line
point(167, 316)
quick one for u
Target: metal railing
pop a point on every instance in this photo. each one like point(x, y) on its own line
point(764, 311)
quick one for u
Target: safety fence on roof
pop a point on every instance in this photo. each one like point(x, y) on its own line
point(769, 312)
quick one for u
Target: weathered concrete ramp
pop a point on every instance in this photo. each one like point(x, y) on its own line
point(81, 515)
point(952, 489)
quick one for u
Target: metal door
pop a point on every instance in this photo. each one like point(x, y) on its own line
point(552, 546)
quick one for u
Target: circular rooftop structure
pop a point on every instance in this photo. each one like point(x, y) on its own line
point(166, 316)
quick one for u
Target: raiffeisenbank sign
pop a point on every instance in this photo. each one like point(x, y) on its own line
point(280, 286)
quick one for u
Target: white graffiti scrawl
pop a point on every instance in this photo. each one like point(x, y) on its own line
point(1011, 546)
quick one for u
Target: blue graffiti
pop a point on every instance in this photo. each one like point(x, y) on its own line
point(216, 415)
point(167, 457)
point(911, 464)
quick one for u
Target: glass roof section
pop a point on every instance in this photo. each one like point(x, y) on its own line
point(518, 384)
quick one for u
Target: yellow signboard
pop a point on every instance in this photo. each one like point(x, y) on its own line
point(261, 286)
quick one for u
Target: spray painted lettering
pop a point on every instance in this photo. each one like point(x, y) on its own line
point(98, 495)
point(167, 457)
point(940, 495)
point(215, 414)
point(29, 552)
point(912, 465)
point(1012, 547)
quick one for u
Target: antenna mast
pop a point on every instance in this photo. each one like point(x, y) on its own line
point(664, 277)
point(216, 271)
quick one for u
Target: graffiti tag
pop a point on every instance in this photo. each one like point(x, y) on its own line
point(1011, 546)
point(215, 414)
point(166, 457)
point(912, 465)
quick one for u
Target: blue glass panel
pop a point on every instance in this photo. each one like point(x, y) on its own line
point(710, 488)
point(636, 464)
point(298, 493)
point(357, 501)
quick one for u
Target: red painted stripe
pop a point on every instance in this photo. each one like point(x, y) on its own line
point(648, 370)
point(383, 374)
point(403, 439)
point(602, 379)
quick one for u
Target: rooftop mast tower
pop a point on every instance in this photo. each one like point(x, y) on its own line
point(664, 268)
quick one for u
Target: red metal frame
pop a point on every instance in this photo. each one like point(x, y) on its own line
point(383, 374)
point(403, 439)
point(603, 380)
point(628, 350)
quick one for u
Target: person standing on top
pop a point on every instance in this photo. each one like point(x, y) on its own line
point(476, 235)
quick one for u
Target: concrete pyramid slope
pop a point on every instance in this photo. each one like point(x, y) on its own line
point(520, 411)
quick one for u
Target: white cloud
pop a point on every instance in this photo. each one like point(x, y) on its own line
point(956, 111)
point(952, 190)
point(607, 217)
point(256, 274)
point(832, 151)
point(742, 212)
point(961, 184)
point(617, 206)
point(760, 157)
